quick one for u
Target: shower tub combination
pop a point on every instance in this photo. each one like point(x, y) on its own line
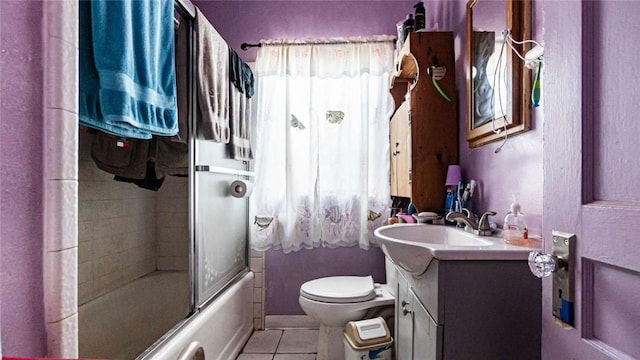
point(165, 275)
point(137, 314)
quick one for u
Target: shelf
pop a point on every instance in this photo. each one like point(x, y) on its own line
point(406, 68)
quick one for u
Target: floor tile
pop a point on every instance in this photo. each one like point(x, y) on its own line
point(263, 342)
point(295, 357)
point(299, 342)
point(255, 357)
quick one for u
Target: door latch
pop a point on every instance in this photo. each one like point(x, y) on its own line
point(561, 264)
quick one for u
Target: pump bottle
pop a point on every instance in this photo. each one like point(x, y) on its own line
point(419, 18)
point(515, 230)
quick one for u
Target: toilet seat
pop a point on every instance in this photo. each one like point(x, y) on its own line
point(340, 289)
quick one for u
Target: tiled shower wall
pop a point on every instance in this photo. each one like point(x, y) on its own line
point(172, 211)
point(125, 232)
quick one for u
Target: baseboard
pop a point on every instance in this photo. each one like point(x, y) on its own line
point(290, 322)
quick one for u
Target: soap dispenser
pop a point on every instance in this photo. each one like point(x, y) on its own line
point(419, 18)
point(515, 229)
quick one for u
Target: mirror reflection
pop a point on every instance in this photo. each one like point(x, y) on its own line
point(496, 80)
point(488, 62)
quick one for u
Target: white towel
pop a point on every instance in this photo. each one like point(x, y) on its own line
point(213, 81)
point(240, 120)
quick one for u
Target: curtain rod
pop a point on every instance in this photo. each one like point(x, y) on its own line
point(246, 46)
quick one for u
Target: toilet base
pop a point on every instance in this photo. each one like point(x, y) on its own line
point(330, 344)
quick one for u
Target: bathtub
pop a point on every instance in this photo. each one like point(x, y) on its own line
point(136, 315)
point(218, 331)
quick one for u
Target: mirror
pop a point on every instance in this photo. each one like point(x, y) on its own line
point(498, 83)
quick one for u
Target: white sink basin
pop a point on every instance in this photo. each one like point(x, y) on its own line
point(413, 246)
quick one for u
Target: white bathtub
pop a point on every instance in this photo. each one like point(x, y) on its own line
point(139, 313)
point(220, 329)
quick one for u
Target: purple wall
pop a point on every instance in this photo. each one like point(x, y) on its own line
point(251, 21)
point(21, 304)
point(284, 273)
point(515, 169)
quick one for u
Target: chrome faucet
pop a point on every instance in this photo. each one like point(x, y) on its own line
point(466, 218)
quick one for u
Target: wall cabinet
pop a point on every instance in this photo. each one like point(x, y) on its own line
point(424, 126)
point(468, 309)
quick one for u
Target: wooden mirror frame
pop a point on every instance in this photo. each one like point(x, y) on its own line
point(518, 19)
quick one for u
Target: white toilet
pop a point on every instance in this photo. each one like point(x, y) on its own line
point(334, 301)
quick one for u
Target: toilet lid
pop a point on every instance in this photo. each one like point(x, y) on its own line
point(339, 289)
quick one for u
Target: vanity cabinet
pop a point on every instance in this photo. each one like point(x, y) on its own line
point(480, 309)
point(424, 126)
point(416, 334)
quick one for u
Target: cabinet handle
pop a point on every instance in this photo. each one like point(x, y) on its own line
point(405, 311)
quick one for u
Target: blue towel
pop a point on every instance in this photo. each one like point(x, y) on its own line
point(127, 67)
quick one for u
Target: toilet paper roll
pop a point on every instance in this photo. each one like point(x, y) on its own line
point(241, 188)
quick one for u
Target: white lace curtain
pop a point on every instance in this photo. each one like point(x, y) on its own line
point(322, 143)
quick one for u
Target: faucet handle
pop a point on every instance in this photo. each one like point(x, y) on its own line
point(483, 224)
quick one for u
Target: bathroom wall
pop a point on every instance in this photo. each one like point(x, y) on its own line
point(251, 21)
point(21, 190)
point(172, 216)
point(125, 232)
point(515, 169)
point(21, 42)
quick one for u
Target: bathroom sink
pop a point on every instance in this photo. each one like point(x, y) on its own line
point(413, 246)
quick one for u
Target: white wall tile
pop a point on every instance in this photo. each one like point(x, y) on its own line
point(63, 338)
point(60, 20)
point(258, 280)
point(61, 85)
point(255, 264)
point(61, 145)
point(60, 200)
point(61, 214)
point(61, 284)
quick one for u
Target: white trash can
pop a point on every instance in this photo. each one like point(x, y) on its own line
point(367, 340)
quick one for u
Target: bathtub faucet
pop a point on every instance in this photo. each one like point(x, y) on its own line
point(466, 218)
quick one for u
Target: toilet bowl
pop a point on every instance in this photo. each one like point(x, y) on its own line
point(334, 301)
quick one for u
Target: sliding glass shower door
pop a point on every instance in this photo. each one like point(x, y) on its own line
point(220, 220)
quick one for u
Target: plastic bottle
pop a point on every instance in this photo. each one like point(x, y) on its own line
point(407, 27)
point(515, 228)
point(419, 18)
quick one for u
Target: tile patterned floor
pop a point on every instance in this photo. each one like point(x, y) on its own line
point(291, 344)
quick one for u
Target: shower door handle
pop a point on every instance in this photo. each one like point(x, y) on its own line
point(193, 351)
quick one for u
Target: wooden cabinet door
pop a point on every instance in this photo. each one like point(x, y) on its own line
point(394, 151)
point(400, 129)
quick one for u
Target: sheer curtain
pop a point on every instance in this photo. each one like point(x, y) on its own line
point(322, 143)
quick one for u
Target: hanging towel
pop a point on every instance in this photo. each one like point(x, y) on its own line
point(240, 107)
point(127, 67)
point(213, 81)
point(240, 74)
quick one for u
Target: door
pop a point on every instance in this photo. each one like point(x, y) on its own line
point(591, 171)
point(400, 147)
point(404, 321)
